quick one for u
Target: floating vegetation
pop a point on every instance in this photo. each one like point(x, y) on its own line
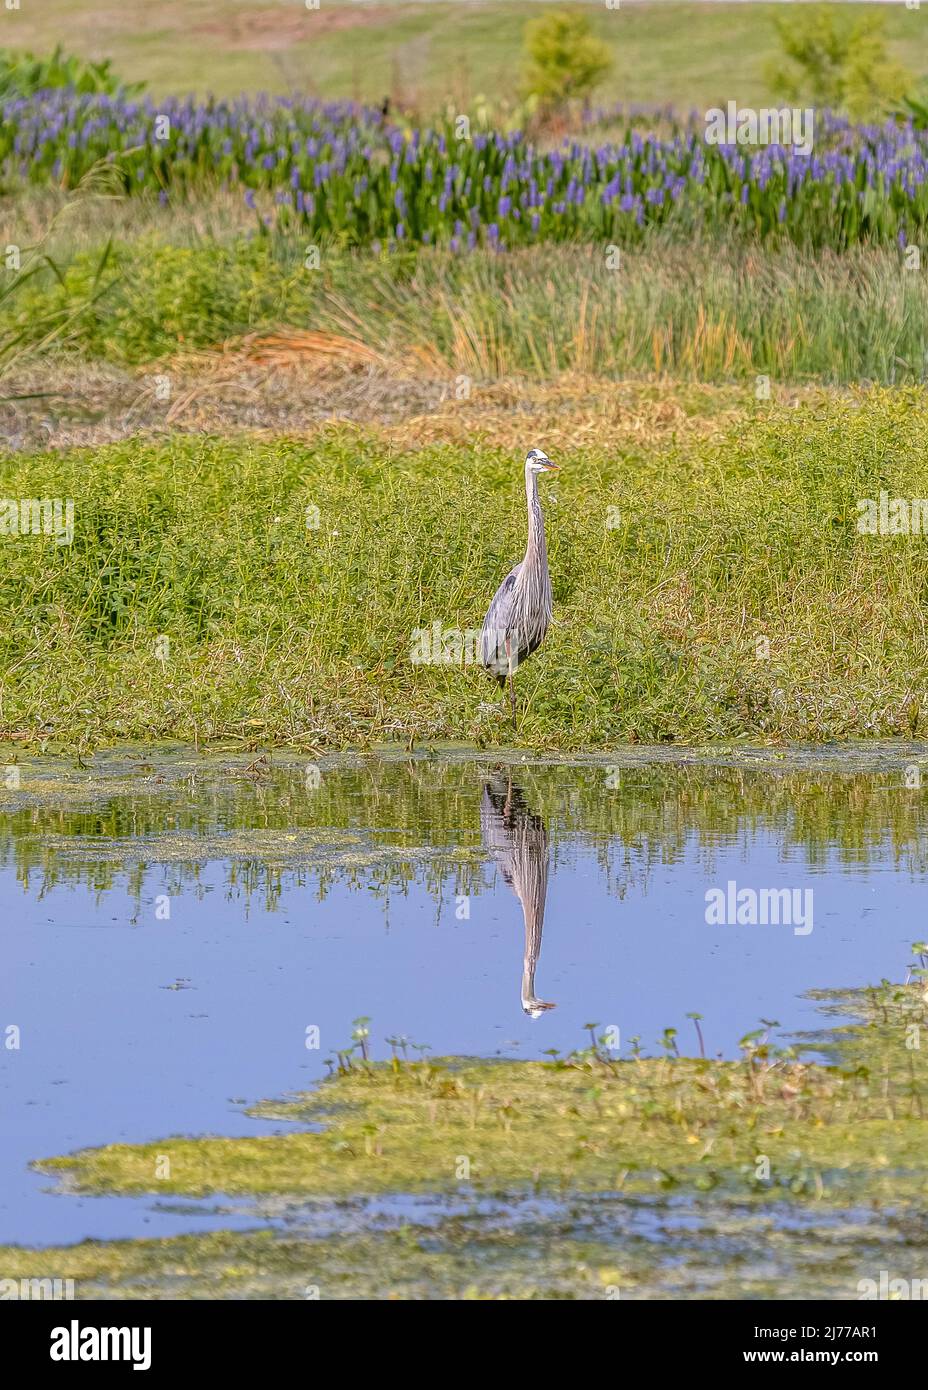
point(587, 1176)
point(769, 1126)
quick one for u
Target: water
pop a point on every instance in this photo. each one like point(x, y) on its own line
point(173, 927)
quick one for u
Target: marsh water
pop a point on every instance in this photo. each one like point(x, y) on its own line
point(184, 936)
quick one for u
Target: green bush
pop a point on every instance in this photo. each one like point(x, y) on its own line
point(564, 59)
point(836, 64)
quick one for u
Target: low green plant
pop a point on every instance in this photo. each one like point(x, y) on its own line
point(23, 74)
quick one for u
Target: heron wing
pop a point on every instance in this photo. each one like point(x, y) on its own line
point(496, 624)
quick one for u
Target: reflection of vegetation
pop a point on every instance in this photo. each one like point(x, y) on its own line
point(382, 824)
point(769, 1126)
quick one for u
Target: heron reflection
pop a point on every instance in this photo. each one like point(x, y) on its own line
point(518, 842)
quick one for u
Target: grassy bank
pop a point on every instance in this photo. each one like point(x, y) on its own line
point(195, 601)
point(714, 310)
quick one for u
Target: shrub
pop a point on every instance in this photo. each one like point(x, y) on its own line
point(835, 64)
point(564, 58)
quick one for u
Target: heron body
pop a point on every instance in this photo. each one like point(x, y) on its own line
point(520, 614)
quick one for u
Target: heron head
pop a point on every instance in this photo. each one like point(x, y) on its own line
point(536, 1007)
point(537, 461)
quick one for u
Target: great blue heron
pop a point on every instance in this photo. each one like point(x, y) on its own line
point(520, 613)
point(518, 841)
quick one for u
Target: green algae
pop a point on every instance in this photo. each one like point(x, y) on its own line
point(611, 1248)
point(770, 1125)
point(586, 1177)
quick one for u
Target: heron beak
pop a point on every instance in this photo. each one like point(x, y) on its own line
point(552, 467)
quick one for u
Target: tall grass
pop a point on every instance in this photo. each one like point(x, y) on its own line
point(277, 631)
point(713, 311)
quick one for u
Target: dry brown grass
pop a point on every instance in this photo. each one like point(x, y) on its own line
point(292, 384)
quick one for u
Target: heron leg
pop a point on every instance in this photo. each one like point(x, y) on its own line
point(512, 689)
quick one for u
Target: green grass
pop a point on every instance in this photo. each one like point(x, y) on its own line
point(710, 310)
point(278, 631)
point(424, 53)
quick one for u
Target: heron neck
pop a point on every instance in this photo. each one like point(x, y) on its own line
point(535, 549)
